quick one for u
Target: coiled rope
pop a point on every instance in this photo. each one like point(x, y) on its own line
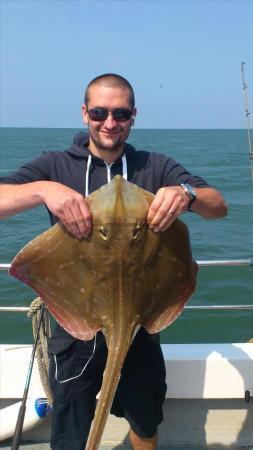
point(42, 349)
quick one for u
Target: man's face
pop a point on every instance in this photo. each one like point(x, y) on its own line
point(108, 134)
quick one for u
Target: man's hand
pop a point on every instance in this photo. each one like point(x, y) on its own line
point(65, 203)
point(167, 205)
point(70, 207)
point(172, 201)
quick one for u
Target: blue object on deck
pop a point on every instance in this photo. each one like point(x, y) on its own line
point(42, 407)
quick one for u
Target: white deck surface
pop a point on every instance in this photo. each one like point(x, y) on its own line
point(198, 424)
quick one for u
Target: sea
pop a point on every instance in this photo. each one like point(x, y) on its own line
point(219, 156)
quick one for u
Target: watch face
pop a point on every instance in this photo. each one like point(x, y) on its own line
point(189, 190)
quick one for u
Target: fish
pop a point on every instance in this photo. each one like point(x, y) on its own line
point(123, 276)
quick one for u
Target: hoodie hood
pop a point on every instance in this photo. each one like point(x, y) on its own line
point(80, 147)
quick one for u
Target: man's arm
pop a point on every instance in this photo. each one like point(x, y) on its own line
point(172, 201)
point(65, 203)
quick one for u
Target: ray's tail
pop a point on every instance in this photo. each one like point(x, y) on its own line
point(117, 350)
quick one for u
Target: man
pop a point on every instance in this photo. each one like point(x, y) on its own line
point(60, 180)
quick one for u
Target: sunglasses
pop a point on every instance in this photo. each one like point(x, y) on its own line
point(101, 114)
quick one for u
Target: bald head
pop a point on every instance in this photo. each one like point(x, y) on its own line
point(110, 80)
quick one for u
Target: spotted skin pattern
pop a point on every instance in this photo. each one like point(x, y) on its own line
point(123, 276)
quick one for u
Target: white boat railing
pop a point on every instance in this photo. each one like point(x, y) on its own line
point(202, 263)
point(224, 262)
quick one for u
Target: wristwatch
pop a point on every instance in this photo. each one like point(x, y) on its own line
point(190, 192)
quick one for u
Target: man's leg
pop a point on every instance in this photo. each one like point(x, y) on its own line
point(141, 391)
point(74, 390)
point(139, 443)
point(71, 421)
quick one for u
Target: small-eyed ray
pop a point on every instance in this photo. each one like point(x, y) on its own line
point(122, 276)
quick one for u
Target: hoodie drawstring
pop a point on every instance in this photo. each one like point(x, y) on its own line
point(108, 167)
point(87, 176)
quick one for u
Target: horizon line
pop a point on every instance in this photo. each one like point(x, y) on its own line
point(135, 129)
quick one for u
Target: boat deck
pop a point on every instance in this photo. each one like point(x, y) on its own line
point(206, 416)
point(46, 446)
point(192, 424)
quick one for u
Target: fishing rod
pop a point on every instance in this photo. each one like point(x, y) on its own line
point(247, 114)
point(22, 409)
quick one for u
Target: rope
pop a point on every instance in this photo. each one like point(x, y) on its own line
point(42, 350)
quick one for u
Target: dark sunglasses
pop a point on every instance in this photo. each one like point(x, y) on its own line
point(119, 114)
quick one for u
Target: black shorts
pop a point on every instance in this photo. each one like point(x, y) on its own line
point(139, 396)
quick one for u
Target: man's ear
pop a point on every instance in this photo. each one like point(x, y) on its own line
point(84, 113)
point(133, 116)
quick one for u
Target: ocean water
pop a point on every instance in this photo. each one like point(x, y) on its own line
point(221, 157)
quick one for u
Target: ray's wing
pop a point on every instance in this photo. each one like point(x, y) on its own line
point(170, 275)
point(172, 280)
point(57, 265)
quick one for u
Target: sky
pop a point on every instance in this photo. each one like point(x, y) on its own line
point(183, 59)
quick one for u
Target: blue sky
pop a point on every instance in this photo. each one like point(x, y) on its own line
point(183, 59)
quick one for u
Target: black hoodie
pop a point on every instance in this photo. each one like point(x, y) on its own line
point(147, 170)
